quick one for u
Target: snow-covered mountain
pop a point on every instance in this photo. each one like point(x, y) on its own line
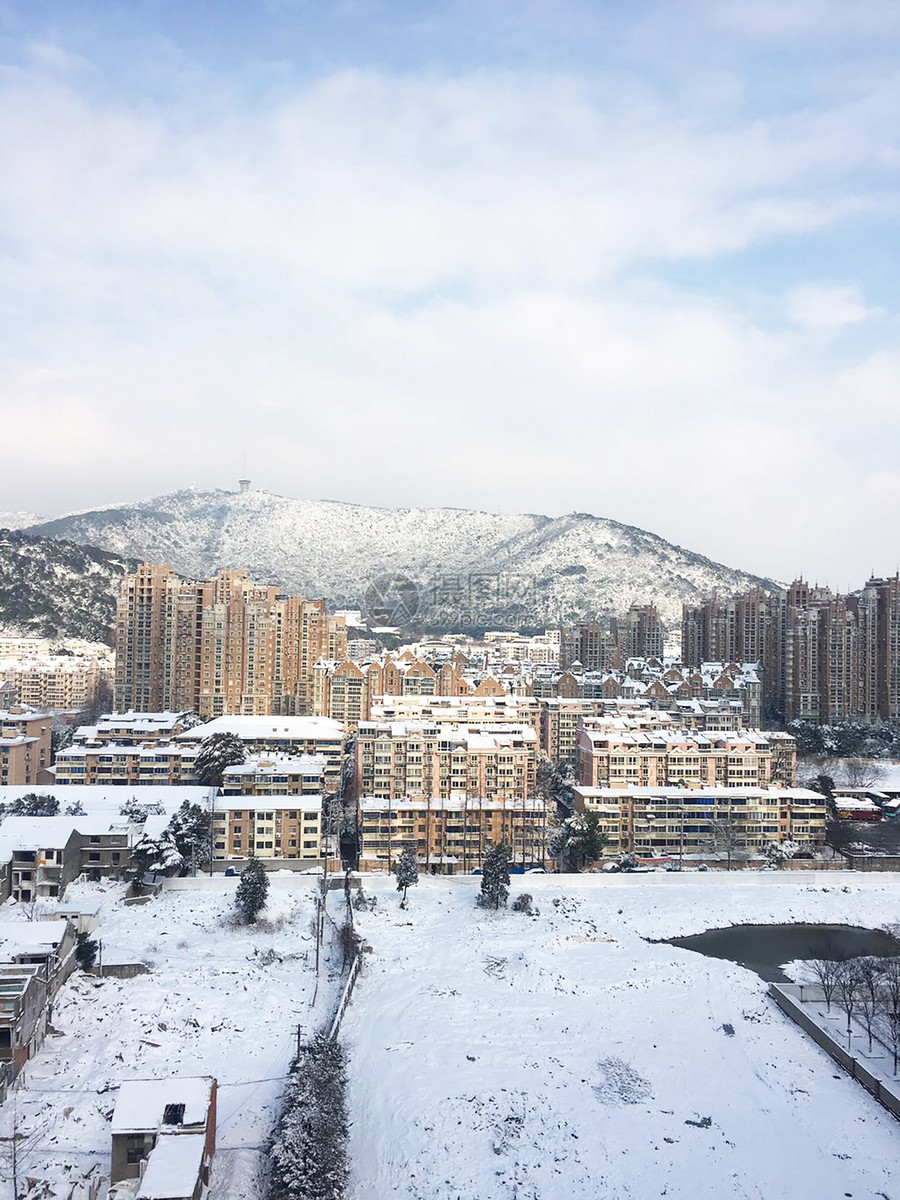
point(469, 568)
point(19, 520)
point(50, 587)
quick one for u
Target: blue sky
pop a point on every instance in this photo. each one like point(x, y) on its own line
point(635, 259)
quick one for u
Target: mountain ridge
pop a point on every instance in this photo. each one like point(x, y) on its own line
point(469, 567)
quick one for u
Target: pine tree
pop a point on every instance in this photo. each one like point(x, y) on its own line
point(85, 951)
point(309, 1157)
point(495, 876)
point(218, 751)
point(190, 828)
point(160, 856)
point(252, 890)
point(407, 870)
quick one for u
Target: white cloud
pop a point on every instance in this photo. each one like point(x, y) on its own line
point(416, 291)
point(821, 307)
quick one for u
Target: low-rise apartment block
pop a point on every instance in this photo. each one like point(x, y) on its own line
point(661, 822)
point(270, 827)
point(451, 835)
point(409, 759)
point(288, 736)
point(135, 728)
point(264, 775)
point(616, 754)
point(23, 1013)
point(164, 763)
point(24, 745)
point(46, 853)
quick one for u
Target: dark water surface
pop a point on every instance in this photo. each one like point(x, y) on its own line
point(766, 948)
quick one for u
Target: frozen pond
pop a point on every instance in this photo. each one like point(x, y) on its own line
point(766, 948)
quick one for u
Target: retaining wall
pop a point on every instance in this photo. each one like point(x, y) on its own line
point(885, 1094)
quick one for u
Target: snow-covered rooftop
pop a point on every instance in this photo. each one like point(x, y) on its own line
point(98, 799)
point(304, 764)
point(276, 728)
point(141, 1103)
point(49, 833)
point(312, 804)
point(29, 937)
point(173, 1167)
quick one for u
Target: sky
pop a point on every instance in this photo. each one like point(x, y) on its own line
point(631, 258)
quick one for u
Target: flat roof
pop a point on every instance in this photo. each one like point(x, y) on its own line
point(141, 1103)
point(173, 1167)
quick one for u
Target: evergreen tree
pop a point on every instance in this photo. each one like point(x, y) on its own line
point(159, 856)
point(578, 840)
point(190, 829)
point(495, 876)
point(309, 1157)
point(218, 751)
point(407, 870)
point(75, 810)
point(252, 890)
point(85, 951)
point(33, 804)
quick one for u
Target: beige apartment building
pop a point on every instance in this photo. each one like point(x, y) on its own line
point(411, 759)
point(451, 835)
point(615, 754)
point(135, 728)
point(345, 691)
point(268, 826)
point(164, 764)
point(221, 646)
point(671, 822)
point(280, 737)
point(61, 682)
point(25, 746)
point(458, 710)
point(267, 775)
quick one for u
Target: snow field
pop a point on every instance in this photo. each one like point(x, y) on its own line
point(496, 1055)
point(219, 1000)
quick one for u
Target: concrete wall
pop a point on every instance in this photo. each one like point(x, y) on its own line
point(786, 1001)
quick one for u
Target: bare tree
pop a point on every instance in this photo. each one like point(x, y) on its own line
point(826, 972)
point(862, 773)
point(869, 972)
point(890, 1002)
point(727, 837)
point(848, 991)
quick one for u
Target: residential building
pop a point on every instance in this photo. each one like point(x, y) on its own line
point(23, 1013)
point(47, 945)
point(615, 753)
point(274, 828)
point(657, 822)
point(451, 834)
point(24, 746)
point(59, 682)
point(47, 853)
point(266, 775)
point(290, 736)
point(174, 1116)
point(412, 759)
point(135, 728)
point(222, 646)
point(167, 764)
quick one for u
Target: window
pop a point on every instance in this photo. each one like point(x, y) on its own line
point(173, 1114)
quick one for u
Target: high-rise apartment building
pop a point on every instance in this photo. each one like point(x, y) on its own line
point(824, 657)
point(221, 646)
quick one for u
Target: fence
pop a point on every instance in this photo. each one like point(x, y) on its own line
point(345, 996)
point(888, 1096)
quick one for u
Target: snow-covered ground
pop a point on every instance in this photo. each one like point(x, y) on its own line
point(500, 1056)
point(219, 1000)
